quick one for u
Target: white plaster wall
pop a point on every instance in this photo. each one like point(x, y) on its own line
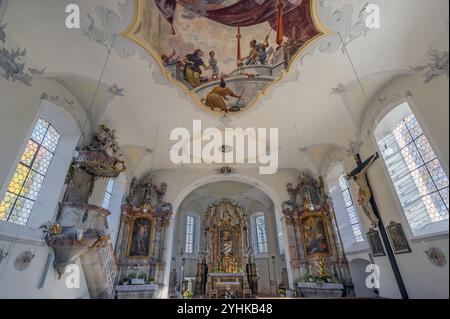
point(430, 104)
point(357, 264)
point(15, 284)
point(20, 107)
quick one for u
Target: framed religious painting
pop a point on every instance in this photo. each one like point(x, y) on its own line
point(375, 243)
point(398, 239)
point(140, 238)
point(315, 237)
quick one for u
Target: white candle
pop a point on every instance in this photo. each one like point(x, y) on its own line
point(310, 269)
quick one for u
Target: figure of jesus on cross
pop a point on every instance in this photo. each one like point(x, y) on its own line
point(358, 175)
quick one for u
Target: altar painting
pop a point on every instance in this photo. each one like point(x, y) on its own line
point(140, 238)
point(315, 236)
point(225, 53)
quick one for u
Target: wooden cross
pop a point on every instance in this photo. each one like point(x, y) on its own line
point(362, 169)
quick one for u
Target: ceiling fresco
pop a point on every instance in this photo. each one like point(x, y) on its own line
point(225, 54)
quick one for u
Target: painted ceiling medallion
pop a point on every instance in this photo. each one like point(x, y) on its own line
point(225, 53)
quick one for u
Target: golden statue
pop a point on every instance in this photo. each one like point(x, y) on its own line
point(321, 267)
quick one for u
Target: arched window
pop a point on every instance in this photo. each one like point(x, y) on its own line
point(351, 210)
point(261, 236)
point(108, 192)
point(420, 182)
point(27, 180)
point(190, 229)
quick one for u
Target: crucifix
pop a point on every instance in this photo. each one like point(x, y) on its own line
point(359, 176)
point(370, 208)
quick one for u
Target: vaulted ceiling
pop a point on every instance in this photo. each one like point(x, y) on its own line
point(247, 195)
point(318, 105)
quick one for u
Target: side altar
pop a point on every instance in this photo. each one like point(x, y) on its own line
point(140, 250)
point(227, 267)
point(318, 261)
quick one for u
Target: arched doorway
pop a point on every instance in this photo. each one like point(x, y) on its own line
point(358, 270)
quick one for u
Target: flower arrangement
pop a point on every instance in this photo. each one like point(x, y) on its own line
point(188, 294)
point(320, 279)
point(320, 275)
point(142, 276)
point(229, 294)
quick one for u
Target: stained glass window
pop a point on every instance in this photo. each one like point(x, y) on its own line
point(420, 181)
point(108, 193)
point(351, 211)
point(190, 225)
point(261, 235)
point(27, 180)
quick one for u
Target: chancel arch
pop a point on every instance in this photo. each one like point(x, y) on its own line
point(263, 187)
point(210, 263)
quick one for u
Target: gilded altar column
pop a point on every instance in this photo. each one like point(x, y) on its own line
point(303, 259)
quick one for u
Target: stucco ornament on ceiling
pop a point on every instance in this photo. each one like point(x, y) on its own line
point(116, 90)
point(354, 147)
point(221, 56)
point(62, 101)
point(111, 23)
point(23, 261)
point(340, 88)
point(385, 100)
point(436, 257)
point(346, 27)
point(437, 66)
point(12, 62)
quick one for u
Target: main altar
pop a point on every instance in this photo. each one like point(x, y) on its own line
point(227, 268)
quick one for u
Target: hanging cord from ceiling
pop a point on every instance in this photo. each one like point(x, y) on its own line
point(297, 136)
point(358, 78)
point(153, 152)
point(94, 97)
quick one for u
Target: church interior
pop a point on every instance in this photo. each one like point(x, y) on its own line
point(226, 149)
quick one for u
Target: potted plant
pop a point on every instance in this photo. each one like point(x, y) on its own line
point(141, 276)
point(131, 276)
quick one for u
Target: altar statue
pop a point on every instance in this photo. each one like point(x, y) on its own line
point(227, 244)
point(364, 195)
